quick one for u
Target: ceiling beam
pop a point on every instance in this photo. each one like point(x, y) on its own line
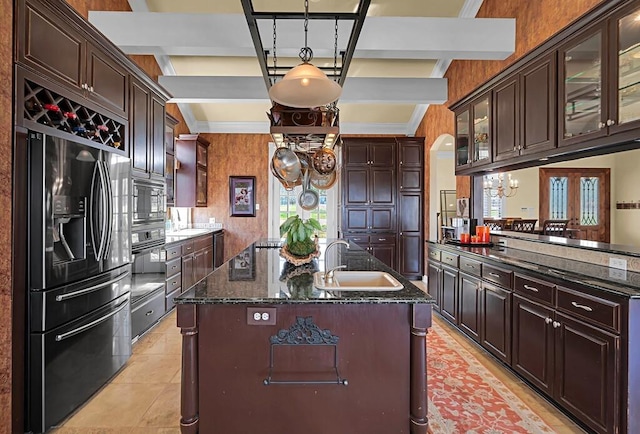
point(381, 37)
point(356, 90)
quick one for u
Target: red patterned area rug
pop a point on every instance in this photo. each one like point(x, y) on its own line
point(464, 397)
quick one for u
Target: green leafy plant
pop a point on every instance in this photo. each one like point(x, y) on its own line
point(300, 233)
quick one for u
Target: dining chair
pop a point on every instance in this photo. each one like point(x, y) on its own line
point(524, 225)
point(555, 227)
point(496, 225)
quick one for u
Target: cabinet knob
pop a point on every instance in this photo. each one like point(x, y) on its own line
point(515, 147)
point(601, 125)
point(556, 324)
point(90, 88)
point(610, 122)
point(548, 320)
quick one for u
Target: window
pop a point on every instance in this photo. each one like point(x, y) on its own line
point(492, 206)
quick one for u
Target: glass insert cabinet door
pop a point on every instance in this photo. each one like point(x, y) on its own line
point(628, 66)
point(463, 147)
point(582, 90)
point(482, 130)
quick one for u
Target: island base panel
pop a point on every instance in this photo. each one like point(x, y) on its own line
point(373, 355)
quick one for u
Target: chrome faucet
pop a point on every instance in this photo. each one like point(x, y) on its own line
point(328, 274)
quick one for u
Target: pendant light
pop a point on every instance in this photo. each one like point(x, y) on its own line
point(305, 85)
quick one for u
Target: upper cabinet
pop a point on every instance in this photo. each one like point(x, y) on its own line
point(579, 91)
point(170, 166)
point(600, 79)
point(191, 156)
point(147, 131)
point(474, 133)
point(52, 47)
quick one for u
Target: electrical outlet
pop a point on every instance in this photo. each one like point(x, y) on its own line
point(261, 316)
point(620, 264)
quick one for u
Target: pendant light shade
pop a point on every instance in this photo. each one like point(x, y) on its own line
point(305, 86)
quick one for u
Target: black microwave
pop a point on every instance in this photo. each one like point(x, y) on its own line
point(148, 202)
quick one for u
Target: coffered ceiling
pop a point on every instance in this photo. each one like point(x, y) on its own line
point(211, 67)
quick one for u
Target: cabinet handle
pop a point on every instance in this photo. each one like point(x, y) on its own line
point(149, 313)
point(610, 122)
point(581, 306)
point(90, 88)
point(471, 266)
point(382, 239)
point(531, 288)
point(494, 274)
point(548, 320)
point(515, 148)
point(174, 283)
point(556, 324)
point(174, 267)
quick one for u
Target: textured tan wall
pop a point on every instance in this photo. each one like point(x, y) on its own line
point(236, 155)
point(6, 87)
point(536, 21)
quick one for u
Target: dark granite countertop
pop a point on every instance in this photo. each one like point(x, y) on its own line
point(620, 282)
point(259, 275)
point(185, 234)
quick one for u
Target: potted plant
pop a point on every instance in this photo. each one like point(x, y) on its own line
point(301, 244)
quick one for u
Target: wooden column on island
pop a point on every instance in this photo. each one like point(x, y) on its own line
point(188, 323)
point(420, 323)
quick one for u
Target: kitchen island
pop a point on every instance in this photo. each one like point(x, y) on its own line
point(266, 351)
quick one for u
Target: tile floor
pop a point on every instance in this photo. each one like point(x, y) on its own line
point(144, 398)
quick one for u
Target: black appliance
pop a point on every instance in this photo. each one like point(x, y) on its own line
point(148, 202)
point(79, 318)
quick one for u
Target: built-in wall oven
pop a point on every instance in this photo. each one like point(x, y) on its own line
point(147, 248)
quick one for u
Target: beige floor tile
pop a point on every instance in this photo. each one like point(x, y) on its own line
point(149, 369)
point(165, 410)
point(85, 430)
point(160, 343)
point(178, 377)
point(154, 430)
point(117, 406)
point(168, 324)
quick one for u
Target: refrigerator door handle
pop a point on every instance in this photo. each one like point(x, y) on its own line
point(88, 326)
point(92, 212)
point(103, 212)
point(89, 289)
point(108, 215)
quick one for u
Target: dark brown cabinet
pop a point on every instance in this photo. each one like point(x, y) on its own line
point(449, 305)
point(434, 283)
point(474, 136)
point(382, 193)
point(524, 107)
point(191, 170)
point(147, 131)
point(218, 249)
point(196, 258)
point(52, 47)
point(410, 207)
point(470, 311)
point(495, 321)
point(170, 159)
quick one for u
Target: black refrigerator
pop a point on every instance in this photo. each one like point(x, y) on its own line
point(79, 254)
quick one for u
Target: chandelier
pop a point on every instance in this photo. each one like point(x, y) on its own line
point(495, 186)
point(305, 85)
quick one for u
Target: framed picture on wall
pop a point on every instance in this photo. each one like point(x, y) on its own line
point(243, 265)
point(242, 198)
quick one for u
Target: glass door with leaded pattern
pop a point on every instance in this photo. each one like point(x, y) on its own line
point(580, 195)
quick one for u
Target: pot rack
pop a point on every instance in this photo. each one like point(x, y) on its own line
point(307, 128)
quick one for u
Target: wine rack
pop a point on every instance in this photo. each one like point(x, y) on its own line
point(49, 108)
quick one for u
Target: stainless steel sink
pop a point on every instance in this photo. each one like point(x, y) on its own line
point(357, 281)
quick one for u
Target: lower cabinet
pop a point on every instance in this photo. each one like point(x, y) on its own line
point(495, 321)
point(470, 311)
point(381, 246)
point(568, 342)
point(449, 305)
point(147, 312)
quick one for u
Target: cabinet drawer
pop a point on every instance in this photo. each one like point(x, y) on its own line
point(187, 248)
point(360, 240)
point(147, 312)
point(497, 275)
point(434, 255)
point(173, 267)
point(173, 283)
point(470, 266)
point(534, 289)
point(449, 259)
point(202, 243)
point(173, 252)
point(593, 309)
point(382, 238)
